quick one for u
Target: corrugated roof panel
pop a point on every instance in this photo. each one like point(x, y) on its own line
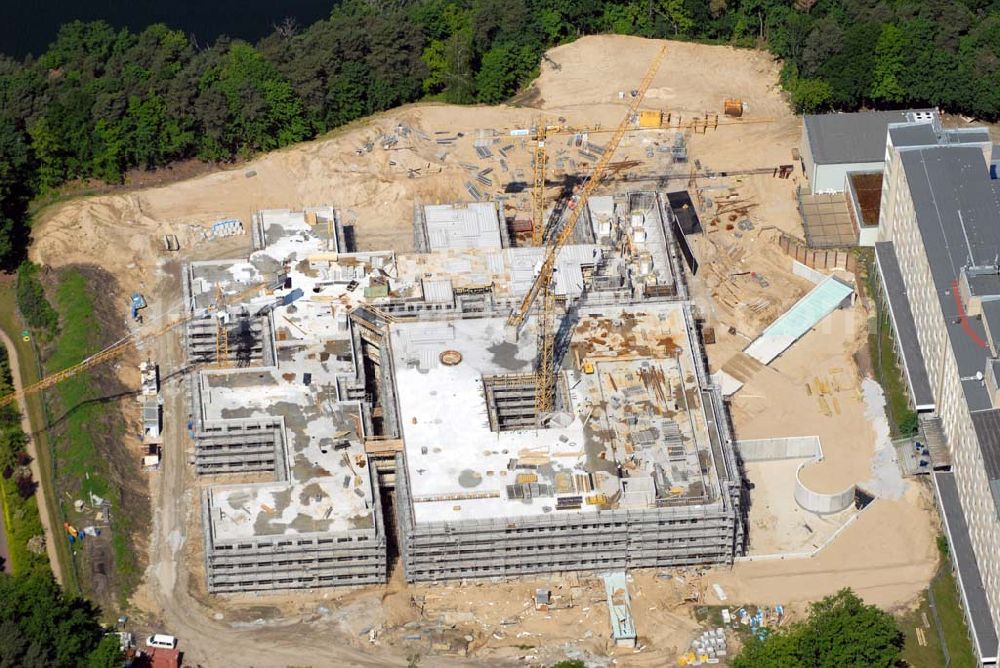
point(438, 291)
point(799, 319)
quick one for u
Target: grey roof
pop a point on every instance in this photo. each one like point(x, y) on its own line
point(844, 138)
point(970, 580)
point(987, 426)
point(991, 318)
point(957, 208)
point(984, 285)
point(976, 135)
point(913, 134)
point(903, 325)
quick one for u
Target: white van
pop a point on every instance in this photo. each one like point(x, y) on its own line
point(162, 641)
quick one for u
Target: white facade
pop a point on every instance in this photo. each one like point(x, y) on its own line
point(898, 224)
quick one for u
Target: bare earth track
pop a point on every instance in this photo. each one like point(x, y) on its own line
point(44, 512)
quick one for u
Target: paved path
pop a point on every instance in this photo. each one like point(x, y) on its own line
point(43, 507)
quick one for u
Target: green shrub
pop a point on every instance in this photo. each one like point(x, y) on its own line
point(32, 303)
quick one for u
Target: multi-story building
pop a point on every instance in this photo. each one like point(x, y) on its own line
point(371, 401)
point(939, 264)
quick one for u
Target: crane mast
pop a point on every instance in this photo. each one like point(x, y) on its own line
point(538, 191)
point(545, 373)
point(118, 349)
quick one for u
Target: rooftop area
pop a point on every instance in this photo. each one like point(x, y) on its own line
point(472, 225)
point(631, 433)
point(957, 207)
point(274, 508)
point(854, 137)
point(631, 430)
point(322, 484)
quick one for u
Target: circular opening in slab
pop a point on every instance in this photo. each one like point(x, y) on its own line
point(450, 357)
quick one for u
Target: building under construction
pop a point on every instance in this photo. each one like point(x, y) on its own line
point(388, 411)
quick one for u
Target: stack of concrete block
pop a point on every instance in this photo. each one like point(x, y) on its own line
point(709, 648)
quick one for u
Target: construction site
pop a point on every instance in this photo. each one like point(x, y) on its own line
point(463, 382)
point(350, 374)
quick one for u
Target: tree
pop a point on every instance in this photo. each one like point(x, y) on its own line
point(107, 654)
point(825, 40)
point(16, 187)
point(889, 65)
point(347, 98)
point(849, 71)
point(262, 111)
point(841, 631)
point(811, 95)
point(42, 626)
point(503, 67)
point(678, 15)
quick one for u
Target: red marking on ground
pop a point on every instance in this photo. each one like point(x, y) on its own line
point(963, 318)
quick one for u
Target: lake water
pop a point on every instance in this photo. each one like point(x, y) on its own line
point(28, 27)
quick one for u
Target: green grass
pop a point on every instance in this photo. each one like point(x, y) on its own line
point(77, 452)
point(21, 523)
point(915, 654)
point(902, 419)
point(79, 459)
point(953, 628)
point(30, 373)
point(949, 608)
point(32, 303)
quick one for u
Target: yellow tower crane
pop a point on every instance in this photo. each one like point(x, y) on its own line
point(221, 331)
point(698, 124)
point(538, 191)
point(545, 371)
point(114, 351)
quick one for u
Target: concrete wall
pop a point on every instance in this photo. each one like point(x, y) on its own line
point(831, 178)
point(770, 449)
point(867, 236)
point(808, 166)
point(798, 447)
point(818, 502)
point(807, 272)
point(563, 541)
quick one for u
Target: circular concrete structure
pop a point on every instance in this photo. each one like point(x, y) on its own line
point(818, 502)
point(450, 357)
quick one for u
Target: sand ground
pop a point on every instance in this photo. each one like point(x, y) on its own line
point(887, 554)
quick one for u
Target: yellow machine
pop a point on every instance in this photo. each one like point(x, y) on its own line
point(113, 351)
point(545, 373)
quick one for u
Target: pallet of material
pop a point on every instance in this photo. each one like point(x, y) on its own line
point(473, 191)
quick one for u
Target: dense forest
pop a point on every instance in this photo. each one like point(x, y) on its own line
point(42, 627)
point(102, 101)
